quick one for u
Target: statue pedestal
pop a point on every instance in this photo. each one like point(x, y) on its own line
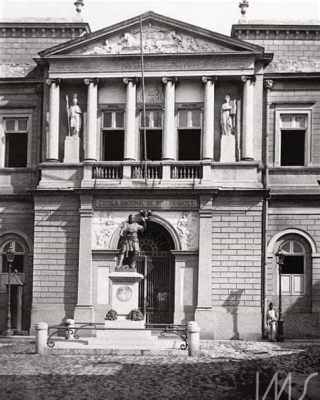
point(124, 296)
point(228, 148)
point(124, 333)
point(71, 149)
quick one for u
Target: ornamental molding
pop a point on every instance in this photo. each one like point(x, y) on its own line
point(155, 39)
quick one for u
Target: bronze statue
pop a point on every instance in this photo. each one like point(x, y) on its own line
point(130, 240)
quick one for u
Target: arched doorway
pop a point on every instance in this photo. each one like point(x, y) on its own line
point(156, 263)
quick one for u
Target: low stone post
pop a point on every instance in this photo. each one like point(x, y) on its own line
point(41, 337)
point(193, 338)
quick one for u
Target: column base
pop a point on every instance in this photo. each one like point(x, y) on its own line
point(83, 314)
point(247, 159)
point(53, 160)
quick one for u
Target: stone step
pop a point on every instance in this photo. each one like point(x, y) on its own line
point(118, 351)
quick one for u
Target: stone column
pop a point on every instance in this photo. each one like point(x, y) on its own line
point(208, 118)
point(84, 308)
point(130, 122)
point(248, 118)
point(90, 136)
point(169, 141)
point(54, 110)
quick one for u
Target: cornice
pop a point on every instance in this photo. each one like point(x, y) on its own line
point(275, 32)
point(43, 30)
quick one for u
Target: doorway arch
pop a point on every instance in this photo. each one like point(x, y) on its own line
point(157, 264)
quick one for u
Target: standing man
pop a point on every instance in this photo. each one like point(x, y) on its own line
point(130, 241)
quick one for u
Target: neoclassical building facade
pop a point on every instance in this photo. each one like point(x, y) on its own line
point(218, 136)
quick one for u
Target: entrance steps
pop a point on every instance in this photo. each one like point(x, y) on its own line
point(133, 342)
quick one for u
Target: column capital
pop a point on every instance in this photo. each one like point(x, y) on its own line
point(50, 81)
point(87, 81)
point(268, 84)
point(247, 78)
point(167, 79)
point(206, 79)
point(127, 80)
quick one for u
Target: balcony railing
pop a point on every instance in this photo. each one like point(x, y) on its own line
point(154, 171)
point(186, 171)
point(107, 172)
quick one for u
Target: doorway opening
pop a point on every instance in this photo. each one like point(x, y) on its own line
point(156, 263)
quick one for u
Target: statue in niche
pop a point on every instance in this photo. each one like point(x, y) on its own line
point(129, 246)
point(74, 116)
point(228, 115)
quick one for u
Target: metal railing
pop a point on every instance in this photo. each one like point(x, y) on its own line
point(67, 331)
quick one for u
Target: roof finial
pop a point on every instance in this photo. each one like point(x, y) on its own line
point(243, 6)
point(79, 4)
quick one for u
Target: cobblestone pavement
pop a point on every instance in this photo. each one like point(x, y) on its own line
point(224, 370)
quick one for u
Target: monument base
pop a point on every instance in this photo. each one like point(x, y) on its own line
point(228, 149)
point(71, 149)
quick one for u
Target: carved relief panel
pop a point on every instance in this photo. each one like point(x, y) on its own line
point(183, 227)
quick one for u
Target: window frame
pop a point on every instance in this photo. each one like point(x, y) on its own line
point(151, 109)
point(291, 277)
point(100, 120)
point(15, 114)
point(295, 111)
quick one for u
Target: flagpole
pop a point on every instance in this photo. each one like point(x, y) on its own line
point(143, 106)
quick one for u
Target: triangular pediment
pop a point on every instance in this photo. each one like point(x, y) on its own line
point(160, 35)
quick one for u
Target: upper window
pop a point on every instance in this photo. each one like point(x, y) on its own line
point(113, 135)
point(293, 269)
point(16, 141)
point(153, 134)
point(292, 143)
point(153, 119)
point(189, 134)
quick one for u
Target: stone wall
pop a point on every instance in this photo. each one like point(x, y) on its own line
point(56, 257)
point(236, 268)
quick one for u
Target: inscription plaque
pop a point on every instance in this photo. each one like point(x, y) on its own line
point(154, 204)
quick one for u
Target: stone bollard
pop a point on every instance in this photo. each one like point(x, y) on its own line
point(41, 337)
point(193, 338)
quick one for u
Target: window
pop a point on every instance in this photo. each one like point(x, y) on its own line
point(292, 144)
point(293, 269)
point(189, 134)
point(18, 262)
point(153, 121)
point(16, 141)
point(113, 135)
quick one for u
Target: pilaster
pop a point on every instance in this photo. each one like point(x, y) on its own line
point(84, 308)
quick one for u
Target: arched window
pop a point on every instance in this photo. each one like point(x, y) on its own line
point(293, 276)
point(19, 258)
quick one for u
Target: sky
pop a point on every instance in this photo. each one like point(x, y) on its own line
point(216, 15)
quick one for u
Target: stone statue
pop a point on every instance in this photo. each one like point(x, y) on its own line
point(129, 239)
point(228, 112)
point(74, 116)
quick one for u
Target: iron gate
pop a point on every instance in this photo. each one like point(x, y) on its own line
point(156, 290)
